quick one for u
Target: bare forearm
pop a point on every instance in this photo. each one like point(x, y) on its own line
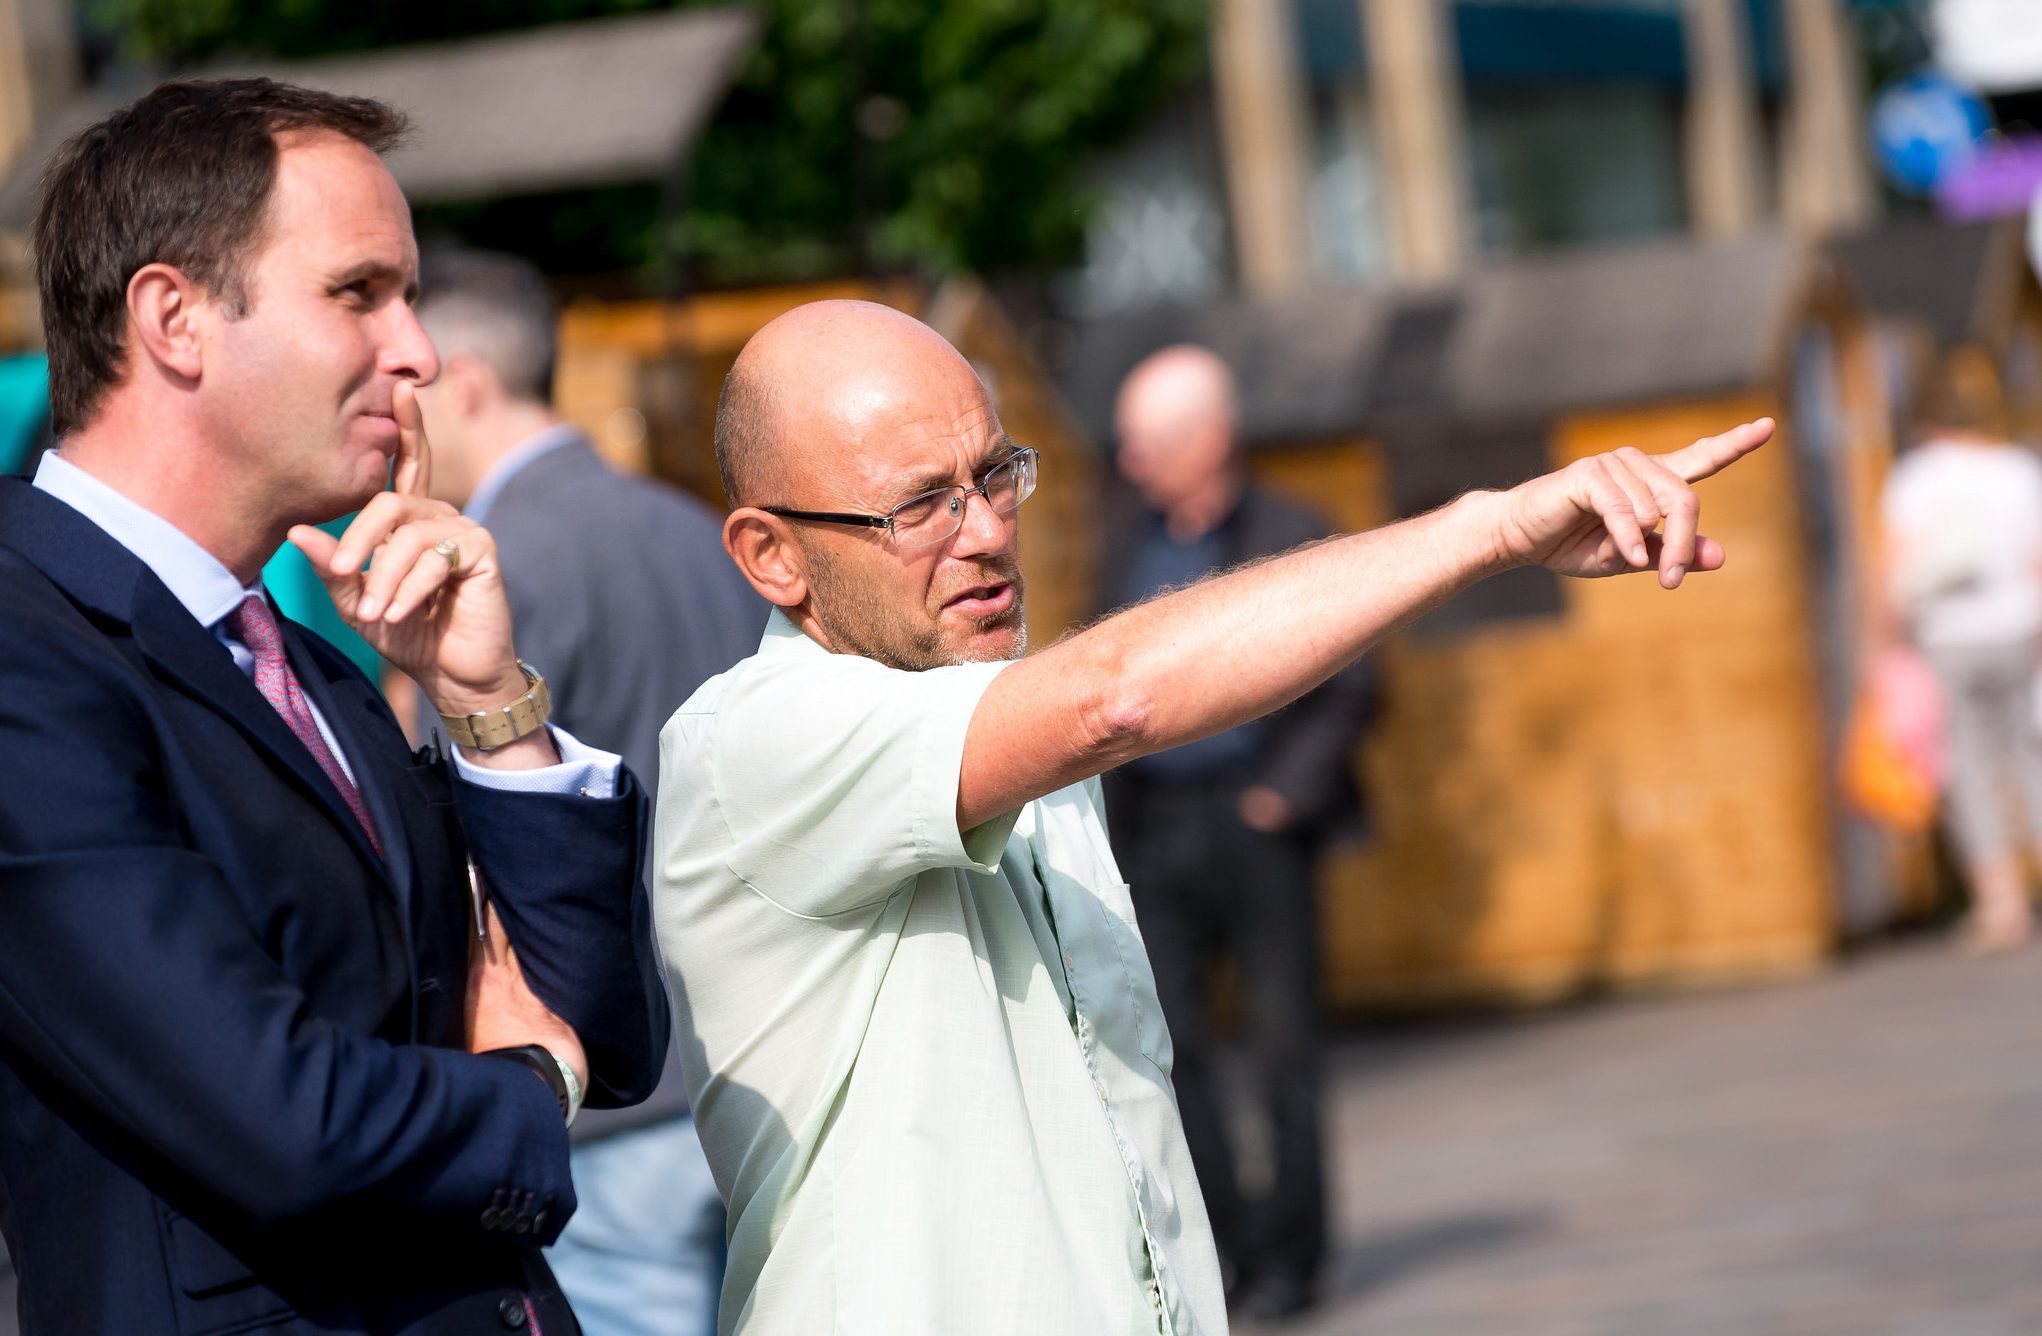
point(1221, 652)
point(1238, 646)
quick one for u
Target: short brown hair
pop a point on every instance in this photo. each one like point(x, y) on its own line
point(1964, 393)
point(744, 421)
point(181, 177)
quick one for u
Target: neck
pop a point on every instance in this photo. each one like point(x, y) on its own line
point(504, 430)
point(1205, 507)
point(176, 477)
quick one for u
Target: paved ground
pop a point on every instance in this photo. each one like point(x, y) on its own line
point(1857, 1154)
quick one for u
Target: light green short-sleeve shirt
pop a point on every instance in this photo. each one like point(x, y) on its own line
point(930, 1071)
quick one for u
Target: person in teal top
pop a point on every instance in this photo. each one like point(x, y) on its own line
point(24, 408)
point(295, 586)
point(24, 417)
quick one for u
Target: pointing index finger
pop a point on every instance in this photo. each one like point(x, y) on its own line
point(1711, 455)
point(413, 474)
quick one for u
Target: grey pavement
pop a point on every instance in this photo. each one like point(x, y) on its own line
point(1858, 1153)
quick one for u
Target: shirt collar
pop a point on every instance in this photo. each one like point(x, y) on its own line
point(783, 636)
point(194, 576)
point(514, 462)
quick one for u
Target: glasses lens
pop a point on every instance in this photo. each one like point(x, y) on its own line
point(1012, 482)
point(934, 516)
point(929, 518)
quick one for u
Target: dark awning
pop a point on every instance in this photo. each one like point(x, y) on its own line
point(554, 108)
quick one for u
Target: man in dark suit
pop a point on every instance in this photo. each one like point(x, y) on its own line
point(265, 1065)
point(1218, 839)
point(628, 626)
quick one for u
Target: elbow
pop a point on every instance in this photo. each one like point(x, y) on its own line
point(1119, 723)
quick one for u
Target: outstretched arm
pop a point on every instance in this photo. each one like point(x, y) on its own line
point(1238, 645)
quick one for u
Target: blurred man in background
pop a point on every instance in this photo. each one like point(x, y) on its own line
point(1219, 838)
point(621, 587)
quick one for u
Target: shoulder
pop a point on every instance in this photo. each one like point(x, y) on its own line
point(583, 508)
point(1264, 511)
point(44, 626)
point(804, 707)
point(66, 673)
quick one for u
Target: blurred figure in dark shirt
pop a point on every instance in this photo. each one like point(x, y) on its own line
point(1219, 838)
point(621, 587)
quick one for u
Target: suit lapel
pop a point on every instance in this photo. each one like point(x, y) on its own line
point(356, 714)
point(97, 572)
point(191, 656)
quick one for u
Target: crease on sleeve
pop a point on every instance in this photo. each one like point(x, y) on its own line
point(939, 763)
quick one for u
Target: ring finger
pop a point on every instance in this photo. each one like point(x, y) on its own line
point(405, 569)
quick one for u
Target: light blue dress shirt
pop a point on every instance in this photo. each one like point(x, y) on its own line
point(209, 591)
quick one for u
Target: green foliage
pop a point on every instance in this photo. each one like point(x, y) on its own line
point(935, 133)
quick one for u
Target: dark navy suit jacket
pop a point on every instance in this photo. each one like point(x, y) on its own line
point(233, 1091)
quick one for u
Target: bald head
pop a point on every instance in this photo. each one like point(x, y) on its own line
point(836, 417)
point(1179, 387)
point(1175, 422)
point(824, 383)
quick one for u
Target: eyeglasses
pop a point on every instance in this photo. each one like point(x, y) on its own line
point(933, 517)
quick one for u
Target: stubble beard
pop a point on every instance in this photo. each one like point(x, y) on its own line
point(859, 623)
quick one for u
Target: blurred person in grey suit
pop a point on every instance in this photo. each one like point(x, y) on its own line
point(1247, 809)
point(620, 586)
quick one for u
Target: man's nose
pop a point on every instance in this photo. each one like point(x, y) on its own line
point(408, 351)
point(983, 529)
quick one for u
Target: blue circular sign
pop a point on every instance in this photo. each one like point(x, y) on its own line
point(1925, 126)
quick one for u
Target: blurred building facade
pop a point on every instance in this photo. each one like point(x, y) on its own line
point(1403, 141)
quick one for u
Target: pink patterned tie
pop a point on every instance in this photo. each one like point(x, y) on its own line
point(255, 626)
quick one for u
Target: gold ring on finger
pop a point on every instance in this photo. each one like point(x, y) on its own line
point(450, 550)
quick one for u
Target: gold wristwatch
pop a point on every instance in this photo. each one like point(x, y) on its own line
point(487, 730)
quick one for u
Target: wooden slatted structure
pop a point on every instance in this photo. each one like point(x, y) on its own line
point(1585, 786)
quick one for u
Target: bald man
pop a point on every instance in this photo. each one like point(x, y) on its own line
point(916, 1018)
point(1219, 838)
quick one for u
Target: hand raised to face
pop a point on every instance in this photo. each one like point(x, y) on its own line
point(1602, 515)
point(420, 582)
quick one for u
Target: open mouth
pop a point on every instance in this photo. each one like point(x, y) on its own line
point(987, 600)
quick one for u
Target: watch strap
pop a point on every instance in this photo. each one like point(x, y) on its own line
point(486, 730)
point(550, 1068)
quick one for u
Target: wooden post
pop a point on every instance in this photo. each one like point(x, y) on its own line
point(1825, 183)
point(38, 67)
point(1724, 179)
point(1415, 80)
point(17, 102)
point(1260, 96)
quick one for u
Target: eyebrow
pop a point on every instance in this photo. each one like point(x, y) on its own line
point(377, 270)
point(923, 483)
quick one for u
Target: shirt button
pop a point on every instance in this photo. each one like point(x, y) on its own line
point(512, 1311)
point(1070, 961)
point(1100, 1086)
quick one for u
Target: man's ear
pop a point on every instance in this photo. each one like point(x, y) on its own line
point(766, 552)
point(469, 382)
point(163, 308)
